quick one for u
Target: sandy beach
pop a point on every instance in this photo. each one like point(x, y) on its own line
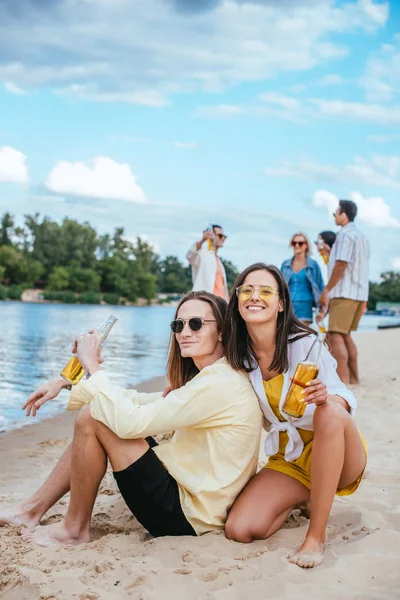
point(363, 547)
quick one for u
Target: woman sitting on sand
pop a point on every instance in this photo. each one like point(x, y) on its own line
point(310, 458)
point(183, 487)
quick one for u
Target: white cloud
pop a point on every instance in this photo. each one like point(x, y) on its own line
point(281, 106)
point(396, 263)
point(374, 211)
point(358, 111)
point(144, 52)
point(185, 145)
point(220, 111)
point(384, 139)
point(14, 89)
point(13, 167)
point(331, 79)
point(379, 171)
point(382, 73)
point(150, 98)
point(101, 177)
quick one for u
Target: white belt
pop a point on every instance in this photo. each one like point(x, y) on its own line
point(294, 446)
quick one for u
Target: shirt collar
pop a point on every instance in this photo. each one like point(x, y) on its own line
point(349, 225)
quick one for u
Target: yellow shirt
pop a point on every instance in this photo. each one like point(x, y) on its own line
point(217, 422)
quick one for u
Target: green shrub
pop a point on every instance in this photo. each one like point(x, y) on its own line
point(111, 298)
point(14, 292)
point(90, 297)
point(66, 297)
point(3, 292)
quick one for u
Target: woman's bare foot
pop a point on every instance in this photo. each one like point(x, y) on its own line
point(54, 535)
point(19, 515)
point(311, 554)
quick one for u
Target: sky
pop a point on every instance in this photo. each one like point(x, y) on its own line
point(163, 116)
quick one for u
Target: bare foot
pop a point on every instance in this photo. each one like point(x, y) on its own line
point(311, 554)
point(18, 515)
point(54, 535)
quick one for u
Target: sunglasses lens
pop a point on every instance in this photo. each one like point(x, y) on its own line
point(195, 324)
point(266, 291)
point(177, 326)
point(245, 292)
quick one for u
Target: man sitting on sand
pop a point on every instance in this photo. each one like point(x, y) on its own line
point(183, 487)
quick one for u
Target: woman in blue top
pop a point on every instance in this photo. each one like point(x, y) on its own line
point(303, 277)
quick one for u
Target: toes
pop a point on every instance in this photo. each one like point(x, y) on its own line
point(27, 535)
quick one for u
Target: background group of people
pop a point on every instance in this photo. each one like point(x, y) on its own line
point(343, 298)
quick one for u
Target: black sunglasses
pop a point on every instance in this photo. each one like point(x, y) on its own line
point(221, 236)
point(195, 324)
point(298, 244)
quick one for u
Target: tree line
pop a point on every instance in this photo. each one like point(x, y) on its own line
point(71, 258)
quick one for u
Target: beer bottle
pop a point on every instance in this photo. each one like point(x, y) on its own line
point(306, 371)
point(210, 242)
point(73, 370)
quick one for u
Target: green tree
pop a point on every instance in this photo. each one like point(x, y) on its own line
point(83, 280)
point(6, 229)
point(14, 264)
point(173, 277)
point(387, 290)
point(231, 272)
point(58, 279)
point(147, 286)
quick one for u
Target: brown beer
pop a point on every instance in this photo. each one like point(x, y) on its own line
point(305, 371)
point(325, 257)
point(210, 242)
point(73, 371)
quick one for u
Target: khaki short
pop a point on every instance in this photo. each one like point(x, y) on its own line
point(344, 315)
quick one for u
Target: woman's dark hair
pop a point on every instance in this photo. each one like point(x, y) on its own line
point(236, 340)
point(181, 370)
point(329, 237)
point(349, 208)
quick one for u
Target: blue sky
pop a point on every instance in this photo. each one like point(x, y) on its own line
point(165, 115)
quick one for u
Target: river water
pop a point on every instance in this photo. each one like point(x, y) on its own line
point(37, 341)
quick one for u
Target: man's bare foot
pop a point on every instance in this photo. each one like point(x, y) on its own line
point(54, 535)
point(18, 515)
point(311, 554)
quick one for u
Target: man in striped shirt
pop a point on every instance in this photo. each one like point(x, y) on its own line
point(346, 292)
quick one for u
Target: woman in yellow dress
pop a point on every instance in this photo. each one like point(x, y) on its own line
point(311, 458)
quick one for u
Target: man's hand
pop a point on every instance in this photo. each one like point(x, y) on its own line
point(46, 391)
point(324, 300)
point(88, 351)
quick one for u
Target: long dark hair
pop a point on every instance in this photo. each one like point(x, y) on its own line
point(180, 370)
point(236, 340)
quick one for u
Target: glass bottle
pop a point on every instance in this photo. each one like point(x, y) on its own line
point(73, 370)
point(322, 250)
point(320, 325)
point(306, 371)
point(210, 242)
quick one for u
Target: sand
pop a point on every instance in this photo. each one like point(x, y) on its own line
point(363, 548)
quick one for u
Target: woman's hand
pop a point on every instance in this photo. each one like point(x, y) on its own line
point(46, 391)
point(315, 392)
point(166, 391)
point(88, 351)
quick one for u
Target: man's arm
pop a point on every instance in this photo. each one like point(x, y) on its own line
point(337, 274)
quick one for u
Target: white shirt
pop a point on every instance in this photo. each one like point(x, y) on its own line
point(351, 246)
point(204, 269)
point(297, 352)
